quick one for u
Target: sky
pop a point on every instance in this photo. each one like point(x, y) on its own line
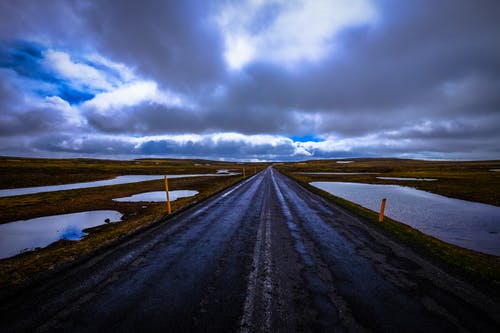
point(250, 80)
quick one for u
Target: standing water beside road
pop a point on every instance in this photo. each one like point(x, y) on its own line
point(24, 235)
point(471, 225)
point(157, 196)
point(115, 181)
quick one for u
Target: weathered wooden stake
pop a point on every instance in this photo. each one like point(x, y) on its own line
point(243, 172)
point(382, 208)
point(169, 209)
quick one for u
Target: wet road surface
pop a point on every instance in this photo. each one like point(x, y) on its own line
point(266, 255)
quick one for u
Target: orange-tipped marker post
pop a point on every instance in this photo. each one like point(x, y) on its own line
point(382, 209)
point(169, 209)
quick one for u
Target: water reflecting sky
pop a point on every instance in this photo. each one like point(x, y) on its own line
point(42, 231)
point(467, 224)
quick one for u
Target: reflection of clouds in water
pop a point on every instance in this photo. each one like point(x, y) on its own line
point(115, 181)
point(157, 196)
point(463, 223)
point(39, 232)
point(72, 233)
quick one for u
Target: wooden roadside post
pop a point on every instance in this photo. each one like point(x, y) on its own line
point(243, 171)
point(382, 208)
point(169, 209)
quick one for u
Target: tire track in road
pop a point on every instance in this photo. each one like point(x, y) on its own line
point(328, 313)
point(260, 285)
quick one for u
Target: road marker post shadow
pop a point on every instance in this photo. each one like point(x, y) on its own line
point(382, 209)
point(169, 209)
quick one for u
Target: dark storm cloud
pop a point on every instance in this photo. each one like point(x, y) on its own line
point(173, 42)
point(16, 118)
point(146, 119)
point(225, 149)
point(152, 118)
point(55, 21)
point(229, 148)
point(30, 122)
point(425, 75)
point(65, 143)
point(385, 72)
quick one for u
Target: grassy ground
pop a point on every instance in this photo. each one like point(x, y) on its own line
point(481, 269)
point(140, 215)
point(26, 172)
point(463, 180)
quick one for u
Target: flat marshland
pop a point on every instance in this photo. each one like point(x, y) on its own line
point(26, 172)
point(471, 180)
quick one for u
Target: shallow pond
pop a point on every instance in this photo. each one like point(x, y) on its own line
point(115, 181)
point(158, 196)
point(467, 224)
point(20, 236)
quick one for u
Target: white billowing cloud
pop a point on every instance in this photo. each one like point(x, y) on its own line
point(293, 31)
point(334, 144)
point(307, 122)
point(257, 139)
point(259, 146)
point(125, 73)
point(133, 94)
point(72, 115)
point(181, 139)
point(241, 50)
point(114, 84)
point(273, 144)
point(299, 150)
point(79, 74)
point(216, 138)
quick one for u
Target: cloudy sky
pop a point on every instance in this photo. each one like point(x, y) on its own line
point(251, 79)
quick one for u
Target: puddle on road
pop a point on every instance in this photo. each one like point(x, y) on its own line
point(413, 179)
point(158, 196)
point(467, 224)
point(24, 235)
point(115, 181)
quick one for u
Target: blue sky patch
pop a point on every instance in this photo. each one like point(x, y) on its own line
point(306, 138)
point(25, 59)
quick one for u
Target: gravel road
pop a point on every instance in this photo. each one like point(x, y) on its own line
point(266, 255)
